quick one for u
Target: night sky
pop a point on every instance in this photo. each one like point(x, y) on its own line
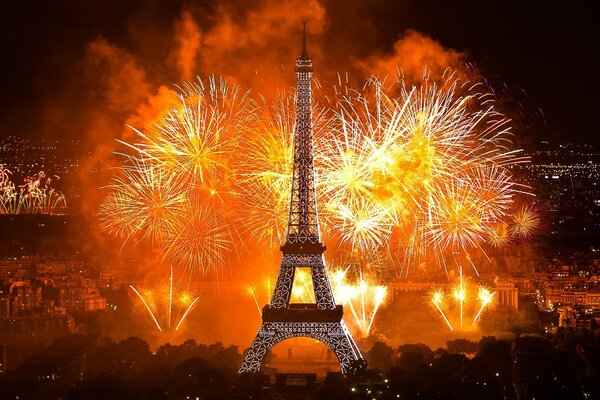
point(547, 49)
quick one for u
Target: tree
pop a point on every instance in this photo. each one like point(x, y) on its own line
point(381, 356)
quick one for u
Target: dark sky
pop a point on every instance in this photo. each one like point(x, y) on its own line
point(547, 48)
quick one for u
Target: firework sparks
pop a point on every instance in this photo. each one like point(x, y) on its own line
point(362, 296)
point(185, 304)
point(415, 173)
point(34, 196)
point(433, 158)
point(197, 137)
point(201, 239)
point(146, 201)
point(176, 190)
point(524, 222)
point(498, 235)
point(485, 297)
point(437, 298)
point(252, 292)
point(459, 294)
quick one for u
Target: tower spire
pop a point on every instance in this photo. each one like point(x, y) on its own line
point(304, 39)
point(304, 59)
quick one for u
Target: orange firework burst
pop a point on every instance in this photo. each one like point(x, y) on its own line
point(498, 235)
point(177, 189)
point(199, 239)
point(362, 223)
point(431, 159)
point(145, 200)
point(405, 174)
point(524, 222)
point(198, 137)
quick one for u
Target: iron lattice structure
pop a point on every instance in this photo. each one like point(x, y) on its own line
point(303, 248)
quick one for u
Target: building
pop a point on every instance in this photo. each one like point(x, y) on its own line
point(295, 386)
point(507, 294)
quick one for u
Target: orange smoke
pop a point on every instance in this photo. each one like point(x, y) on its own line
point(412, 54)
point(188, 36)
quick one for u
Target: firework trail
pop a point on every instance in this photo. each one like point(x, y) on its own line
point(437, 298)
point(149, 300)
point(485, 297)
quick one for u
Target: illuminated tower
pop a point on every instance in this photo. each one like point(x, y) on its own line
point(303, 248)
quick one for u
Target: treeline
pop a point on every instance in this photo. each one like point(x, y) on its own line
point(561, 366)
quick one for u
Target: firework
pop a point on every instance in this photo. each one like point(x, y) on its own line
point(145, 201)
point(9, 199)
point(524, 222)
point(252, 292)
point(185, 303)
point(437, 299)
point(459, 295)
point(428, 165)
point(498, 235)
point(197, 138)
point(175, 190)
point(34, 196)
point(257, 295)
point(200, 239)
point(485, 297)
point(405, 174)
point(362, 296)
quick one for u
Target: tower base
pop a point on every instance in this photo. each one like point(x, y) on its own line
point(334, 335)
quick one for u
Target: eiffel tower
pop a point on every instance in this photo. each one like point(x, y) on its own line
point(303, 248)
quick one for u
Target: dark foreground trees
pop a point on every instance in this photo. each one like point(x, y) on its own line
point(562, 366)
